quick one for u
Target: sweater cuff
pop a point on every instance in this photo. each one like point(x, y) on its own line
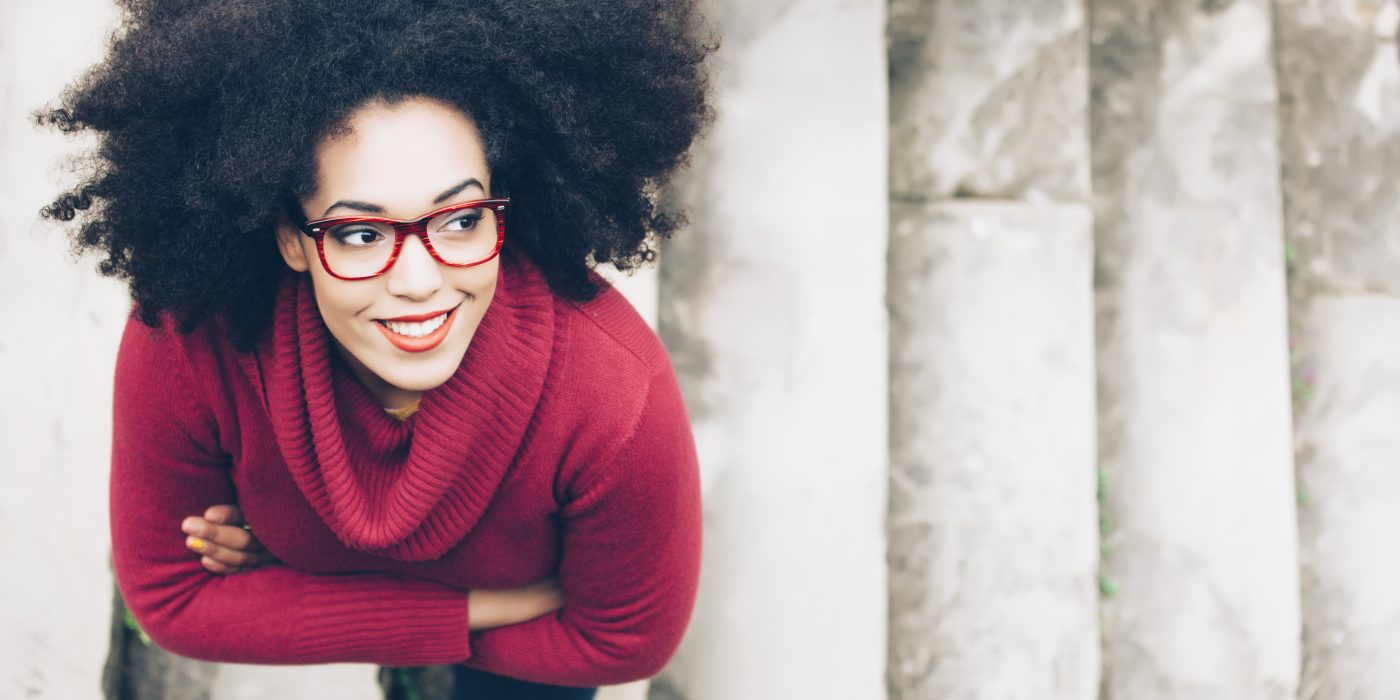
point(417, 623)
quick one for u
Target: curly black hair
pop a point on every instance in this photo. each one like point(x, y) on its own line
point(208, 113)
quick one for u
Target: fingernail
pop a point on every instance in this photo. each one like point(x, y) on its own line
point(189, 525)
point(194, 543)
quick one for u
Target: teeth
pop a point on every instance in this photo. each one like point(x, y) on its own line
point(418, 329)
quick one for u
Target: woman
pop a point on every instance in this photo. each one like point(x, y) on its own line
point(358, 235)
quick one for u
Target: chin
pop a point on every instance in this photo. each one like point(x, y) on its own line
point(428, 375)
point(421, 383)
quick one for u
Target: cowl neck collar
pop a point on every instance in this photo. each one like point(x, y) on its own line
point(406, 490)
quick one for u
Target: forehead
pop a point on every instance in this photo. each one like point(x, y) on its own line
point(407, 150)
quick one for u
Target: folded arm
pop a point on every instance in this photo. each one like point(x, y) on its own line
point(224, 546)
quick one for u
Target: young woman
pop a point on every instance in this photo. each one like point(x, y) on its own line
point(359, 236)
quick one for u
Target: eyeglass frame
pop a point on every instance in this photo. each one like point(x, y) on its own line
point(402, 228)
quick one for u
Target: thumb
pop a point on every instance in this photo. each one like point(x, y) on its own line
point(225, 514)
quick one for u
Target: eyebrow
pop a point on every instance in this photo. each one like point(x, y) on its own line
point(376, 209)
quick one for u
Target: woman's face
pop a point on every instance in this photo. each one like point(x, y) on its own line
point(399, 162)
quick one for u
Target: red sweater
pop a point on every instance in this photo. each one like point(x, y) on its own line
point(561, 447)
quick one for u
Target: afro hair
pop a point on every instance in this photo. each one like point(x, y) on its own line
point(207, 115)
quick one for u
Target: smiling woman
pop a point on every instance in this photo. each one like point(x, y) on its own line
point(401, 308)
point(359, 238)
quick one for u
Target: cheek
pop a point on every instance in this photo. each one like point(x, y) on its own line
point(340, 302)
point(479, 284)
point(486, 287)
point(483, 281)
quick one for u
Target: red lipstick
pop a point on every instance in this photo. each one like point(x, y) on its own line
point(409, 343)
point(419, 317)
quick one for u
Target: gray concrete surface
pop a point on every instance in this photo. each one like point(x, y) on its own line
point(988, 99)
point(993, 546)
point(1194, 409)
point(772, 306)
point(1339, 83)
point(1349, 483)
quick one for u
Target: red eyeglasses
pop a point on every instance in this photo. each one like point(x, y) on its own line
point(361, 247)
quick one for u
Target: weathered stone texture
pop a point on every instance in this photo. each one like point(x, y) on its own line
point(772, 307)
point(56, 370)
point(1349, 485)
point(993, 546)
point(1194, 412)
point(988, 99)
point(1339, 89)
point(1339, 81)
point(992, 541)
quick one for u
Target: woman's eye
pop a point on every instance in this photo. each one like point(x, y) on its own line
point(358, 237)
point(465, 222)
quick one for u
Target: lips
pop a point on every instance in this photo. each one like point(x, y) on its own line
point(419, 332)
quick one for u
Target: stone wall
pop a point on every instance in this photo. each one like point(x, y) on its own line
point(1339, 84)
point(772, 307)
point(1194, 423)
point(993, 547)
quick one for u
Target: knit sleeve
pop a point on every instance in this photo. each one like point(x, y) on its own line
point(630, 561)
point(166, 466)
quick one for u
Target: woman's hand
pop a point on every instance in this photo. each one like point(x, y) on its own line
point(496, 608)
point(227, 547)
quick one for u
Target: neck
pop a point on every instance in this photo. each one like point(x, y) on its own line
point(388, 395)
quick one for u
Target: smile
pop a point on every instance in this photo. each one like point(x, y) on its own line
point(417, 333)
point(416, 330)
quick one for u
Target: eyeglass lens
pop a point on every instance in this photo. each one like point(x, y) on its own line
point(459, 237)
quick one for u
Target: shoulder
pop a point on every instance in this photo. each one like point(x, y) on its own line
point(614, 381)
point(164, 346)
point(157, 387)
point(607, 350)
point(607, 327)
point(162, 362)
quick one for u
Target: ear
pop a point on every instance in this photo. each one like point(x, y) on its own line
point(290, 244)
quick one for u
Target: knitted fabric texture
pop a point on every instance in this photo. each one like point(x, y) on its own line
point(407, 490)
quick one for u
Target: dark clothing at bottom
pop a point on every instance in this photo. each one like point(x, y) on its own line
point(475, 684)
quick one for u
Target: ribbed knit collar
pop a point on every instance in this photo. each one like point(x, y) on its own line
point(407, 490)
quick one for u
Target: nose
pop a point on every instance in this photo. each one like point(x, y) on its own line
point(415, 274)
